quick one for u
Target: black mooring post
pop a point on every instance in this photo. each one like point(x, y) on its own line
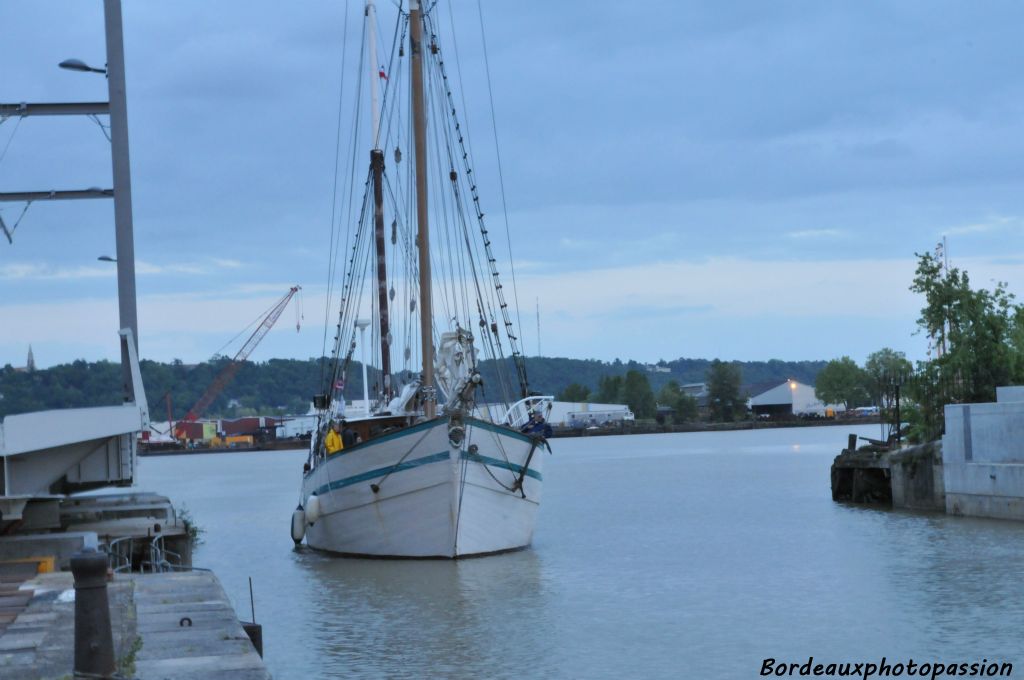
point(851, 443)
point(898, 428)
point(94, 644)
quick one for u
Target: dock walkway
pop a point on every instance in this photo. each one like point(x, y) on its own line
point(165, 626)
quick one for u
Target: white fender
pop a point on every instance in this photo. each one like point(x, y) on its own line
point(312, 510)
point(298, 525)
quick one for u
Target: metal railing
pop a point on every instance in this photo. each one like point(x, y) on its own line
point(159, 559)
point(119, 554)
point(519, 413)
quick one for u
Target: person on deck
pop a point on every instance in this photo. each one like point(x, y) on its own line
point(536, 425)
point(334, 443)
point(348, 435)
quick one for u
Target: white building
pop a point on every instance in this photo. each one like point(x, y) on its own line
point(568, 413)
point(792, 398)
point(579, 414)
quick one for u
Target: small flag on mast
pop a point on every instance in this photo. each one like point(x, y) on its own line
point(382, 74)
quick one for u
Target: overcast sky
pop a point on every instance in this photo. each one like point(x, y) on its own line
point(742, 180)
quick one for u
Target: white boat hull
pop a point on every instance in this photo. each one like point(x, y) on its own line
point(435, 496)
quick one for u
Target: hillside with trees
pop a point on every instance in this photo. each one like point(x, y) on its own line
point(286, 386)
point(977, 336)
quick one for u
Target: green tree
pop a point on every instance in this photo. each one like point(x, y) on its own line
point(636, 392)
point(842, 382)
point(887, 363)
point(724, 399)
point(882, 369)
point(976, 331)
point(685, 406)
point(609, 389)
point(687, 410)
point(669, 394)
point(978, 336)
point(574, 392)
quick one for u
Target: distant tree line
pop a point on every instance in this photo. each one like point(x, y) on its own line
point(976, 338)
point(726, 397)
point(286, 386)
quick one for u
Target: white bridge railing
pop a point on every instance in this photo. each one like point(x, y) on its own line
point(519, 413)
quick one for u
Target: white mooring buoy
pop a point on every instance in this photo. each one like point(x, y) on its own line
point(312, 510)
point(298, 525)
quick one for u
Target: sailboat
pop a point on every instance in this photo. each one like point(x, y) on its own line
point(441, 463)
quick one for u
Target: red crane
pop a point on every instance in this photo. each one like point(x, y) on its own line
point(228, 373)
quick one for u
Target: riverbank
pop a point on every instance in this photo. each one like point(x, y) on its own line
point(653, 427)
point(172, 449)
point(616, 428)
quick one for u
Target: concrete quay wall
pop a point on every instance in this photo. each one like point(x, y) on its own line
point(983, 457)
point(916, 474)
point(170, 626)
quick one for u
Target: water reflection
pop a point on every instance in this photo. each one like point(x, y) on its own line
point(483, 617)
point(966, 572)
point(690, 555)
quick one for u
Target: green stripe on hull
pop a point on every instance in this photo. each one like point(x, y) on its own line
point(403, 432)
point(380, 472)
point(425, 460)
point(494, 462)
point(499, 429)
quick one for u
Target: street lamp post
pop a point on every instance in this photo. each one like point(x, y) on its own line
point(117, 109)
point(123, 229)
point(79, 65)
point(125, 239)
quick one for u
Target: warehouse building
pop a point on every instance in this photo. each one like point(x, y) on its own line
point(792, 399)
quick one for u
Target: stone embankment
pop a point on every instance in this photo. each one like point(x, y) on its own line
point(169, 626)
point(909, 478)
point(651, 427)
point(977, 470)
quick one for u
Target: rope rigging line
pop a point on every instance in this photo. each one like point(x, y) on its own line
point(405, 245)
point(458, 70)
point(457, 207)
point(10, 139)
point(334, 200)
point(347, 271)
point(518, 359)
point(440, 224)
point(402, 220)
point(501, 185)
point(459, 255)
point(402, 459)
point(439, 89)
point(359, 260)
point(9, 231)
point(105, 129)
point(459, 210)
point(357, 265)
point(389, 135)
point(392, 137)
point(347, 290)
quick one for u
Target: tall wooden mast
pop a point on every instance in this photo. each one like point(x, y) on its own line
point(419, 119)
point(377, 171)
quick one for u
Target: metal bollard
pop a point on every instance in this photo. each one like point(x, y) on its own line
point(94, 643)
point(255, 633)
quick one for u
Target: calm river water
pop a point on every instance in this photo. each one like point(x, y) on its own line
point(677, 555)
